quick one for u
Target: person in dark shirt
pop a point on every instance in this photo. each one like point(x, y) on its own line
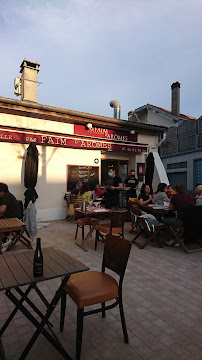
point(78, 187)
point(114, 185)
point(9, 206)
point(132, 183)
point(145, 197)
point(179, 202)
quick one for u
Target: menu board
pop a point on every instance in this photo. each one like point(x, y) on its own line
point(87, 174)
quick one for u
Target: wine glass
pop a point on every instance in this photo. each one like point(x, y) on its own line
point(90, 202)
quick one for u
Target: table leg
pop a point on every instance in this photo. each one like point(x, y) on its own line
point(39, 325)
point(1, 237)
point(20, 237)
point(4, 327)
point(93, 225)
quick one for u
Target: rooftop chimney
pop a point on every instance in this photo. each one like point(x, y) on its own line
point(175, 104)
point(29, 72)
point(117, 108)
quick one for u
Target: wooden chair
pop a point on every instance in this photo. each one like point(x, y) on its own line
point(133, 215)
point(75, 203)
point(178, 233)
point(151, 231)
point(82, 222)
point(67, 199)
point(19, 234)
point(94, 287)
point(190, 231)
point(116, 226)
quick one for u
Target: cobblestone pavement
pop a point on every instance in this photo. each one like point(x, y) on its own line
point(162, 296)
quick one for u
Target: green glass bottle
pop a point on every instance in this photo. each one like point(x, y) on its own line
point(38, 260)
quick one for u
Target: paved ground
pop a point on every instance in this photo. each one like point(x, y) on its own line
point(162, 300)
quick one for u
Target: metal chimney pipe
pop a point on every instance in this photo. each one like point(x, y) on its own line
point(175, 102)
point(117, 108)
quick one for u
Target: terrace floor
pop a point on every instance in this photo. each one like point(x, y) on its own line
point(162, 296)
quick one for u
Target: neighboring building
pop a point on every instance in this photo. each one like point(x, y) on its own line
point(150, 114)
point(71, 145)
point(181, 152)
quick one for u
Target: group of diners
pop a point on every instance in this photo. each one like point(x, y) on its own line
point(178, 201)
point(111, 191)
point(163, 193)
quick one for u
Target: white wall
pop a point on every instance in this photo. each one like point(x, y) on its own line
point(36, 124)
point(160, 175)
point(157, 118)
point(52, 175)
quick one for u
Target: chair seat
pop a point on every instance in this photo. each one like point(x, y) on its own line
point(91, 287)
point(106, 229)
point(85, 221)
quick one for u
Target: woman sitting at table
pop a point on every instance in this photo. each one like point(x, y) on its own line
point(169, 191)
point(160, 194)
point(84, 194)
point(145, 198)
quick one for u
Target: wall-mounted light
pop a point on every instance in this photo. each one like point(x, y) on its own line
point(132, 132)
point(89, 126)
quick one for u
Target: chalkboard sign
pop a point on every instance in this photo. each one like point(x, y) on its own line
point(87, 174)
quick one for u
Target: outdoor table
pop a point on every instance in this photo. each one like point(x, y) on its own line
point(16, 270)
point(11, 225)
point(98, 214)
point(156, 210)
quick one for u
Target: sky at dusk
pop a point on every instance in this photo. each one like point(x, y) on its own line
point(93, 51)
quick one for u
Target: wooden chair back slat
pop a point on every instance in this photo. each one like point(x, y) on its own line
point(116, 253)
point(118, 218)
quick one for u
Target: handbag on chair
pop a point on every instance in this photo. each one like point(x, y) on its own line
point(71, 211)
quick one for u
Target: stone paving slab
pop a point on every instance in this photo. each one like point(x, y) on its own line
point(162, 296)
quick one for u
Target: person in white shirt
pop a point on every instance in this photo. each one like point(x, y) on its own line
point(160, 194)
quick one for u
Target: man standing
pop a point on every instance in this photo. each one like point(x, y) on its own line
point(132, 183)
point(114, 185)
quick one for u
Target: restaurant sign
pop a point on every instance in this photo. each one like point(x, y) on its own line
point(42, 138)
point(107, 134)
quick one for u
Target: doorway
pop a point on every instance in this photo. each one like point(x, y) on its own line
point(120, 166)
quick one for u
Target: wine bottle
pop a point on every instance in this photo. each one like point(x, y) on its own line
point(38, 260)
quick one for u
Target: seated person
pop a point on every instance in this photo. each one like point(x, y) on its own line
point(179, 202)
point(145, 198)
point(84, 194)
point(9, 208)
point(169, 191)
point(198, 195)
point(78, 187)
point(98, 192)
point(160, 194)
